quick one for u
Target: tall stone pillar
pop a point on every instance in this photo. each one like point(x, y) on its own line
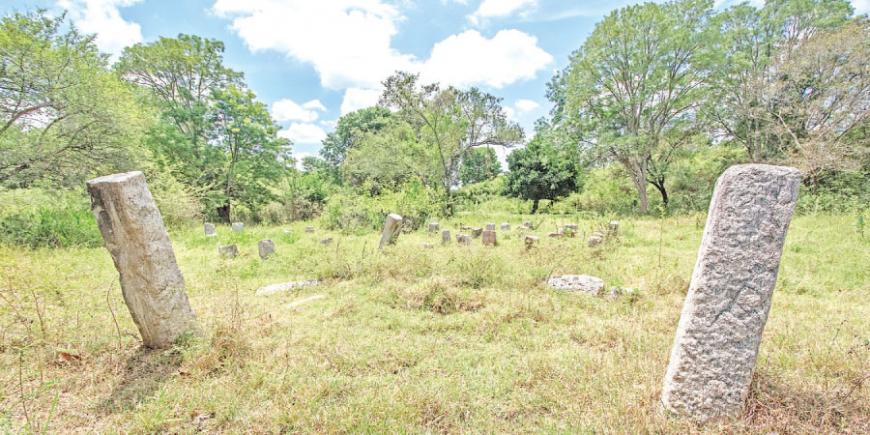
point(392, 228)
point(134, 234)
point(716, 345)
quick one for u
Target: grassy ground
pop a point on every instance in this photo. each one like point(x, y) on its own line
point(412, 340)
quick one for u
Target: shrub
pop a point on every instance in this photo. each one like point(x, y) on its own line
point(353, 211)
point(38, 217)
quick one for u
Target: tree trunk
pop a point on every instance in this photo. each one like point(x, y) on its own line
point(642, 200)
point(224, 212)
point(535, 204)
point(660, 185)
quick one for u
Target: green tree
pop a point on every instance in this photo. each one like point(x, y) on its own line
point(63, 115)
point(350, 130)
point(245, 150)
point(630, 93)
point(541, 170)
point(479, 164)
point(450, 122)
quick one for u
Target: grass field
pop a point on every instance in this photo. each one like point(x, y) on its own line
point(453, 339)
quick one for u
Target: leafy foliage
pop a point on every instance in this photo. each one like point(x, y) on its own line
point(478, 165)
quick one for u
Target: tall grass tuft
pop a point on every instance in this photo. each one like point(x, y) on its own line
point(39, 218)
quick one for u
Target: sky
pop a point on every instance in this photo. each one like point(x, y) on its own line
point(312, 61)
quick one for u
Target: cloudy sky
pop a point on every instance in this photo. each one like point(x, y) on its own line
point(313, 60)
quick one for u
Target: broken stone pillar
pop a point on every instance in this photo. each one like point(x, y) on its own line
point(392, 228)
point(595, 239)
point(210, 230)
point(505, 226)
point(716, 344)
point(228, 251)
point(151, 282)
point(445, 237)
point(433, 227)
point(463, 239)
point(489, 238)
point(266, 248)
point(490, 227)
point(476, 232)
point(531, 241)
point(613, 228)
point(238, 227)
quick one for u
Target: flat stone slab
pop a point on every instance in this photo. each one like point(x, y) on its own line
point(285, 286)
point(577, 283)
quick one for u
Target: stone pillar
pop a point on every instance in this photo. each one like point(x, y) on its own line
point(476, 232)
point(433, 227)
point(265, 248)
point(151, 282)
point(209, 230)
point(716, 344)
point(238, 227)
point(228, 251)
point(505, 226)
point(309, 230)
point(463, 239)
point(489, 238)
point(445, 237)
point(531, 241)
point(490, 227)
point(392, 228)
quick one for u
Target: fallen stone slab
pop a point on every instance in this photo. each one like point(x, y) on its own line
point(577, 283)
point(299, 302)
point(285, 286)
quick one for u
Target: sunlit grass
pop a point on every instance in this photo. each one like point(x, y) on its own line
point(443, 340)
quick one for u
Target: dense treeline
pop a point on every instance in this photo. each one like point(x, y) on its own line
point(658, 100)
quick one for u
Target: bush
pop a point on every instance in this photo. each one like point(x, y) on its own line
point(354, 212)
point(843, 192)
point(177, 203)
point(39, 217)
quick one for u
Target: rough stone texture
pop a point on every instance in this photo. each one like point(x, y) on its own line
point(476, 232)
point(613, 228)
point(490, 238)
point(530, 241)
point(209, 229)
point(285, 286)
point(577, 283)
point(228, 251)
point(238, 227)
point(555, 235)
point(266, 248)
point(490, 227)
point(463, 239)
point(326, 242)
point(309, 230)
point(151, 281)
point(716, 344)
point(505, 226)
point(434, 227)
point(392, 228)
point(445, 237)
point(595, 239)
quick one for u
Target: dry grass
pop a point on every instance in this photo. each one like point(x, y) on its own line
point(413, 340)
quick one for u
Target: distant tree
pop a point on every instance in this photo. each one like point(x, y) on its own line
point(479, 164)
point(350, 130)
point(630, 93)
point(541, 170)
point(450, 121)
point(245, 146)
point(63, 115)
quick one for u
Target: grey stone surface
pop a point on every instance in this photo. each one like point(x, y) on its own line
point(463, 239)
point(434, 227)
point(134, 234)
point(505, 226)
point(577, 283)
point(530, 241)
point(555, 234)
point(716, 345)
point(595, 239)
point(326, 242)
point(613, 228)
point(285, 286)
point(209, 229)
point(265, 248)
point(238, 227)
point(445, 237)
point(392, 228)
point(476, 232)
point(309, 230)
point(228, 251)
point(490, 238)
point(570, 230)
point(490, 227)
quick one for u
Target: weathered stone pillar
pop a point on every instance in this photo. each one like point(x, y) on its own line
point(265, 248)
point(151, 282)
point(445, 237)
point(433, 227)
point(530, 241)
point(209, 230)
point(238, 227)
point(489, 238)
point(490, 227)
point(505, 226)
point(716, 345)
point(392, 228)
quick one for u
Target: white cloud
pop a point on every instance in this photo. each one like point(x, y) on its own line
point(102, 17)
point(357, 98)
point(469, 58)
point(303, 133)
point(499, 8)
point(861, 6)
point(288, 110)
point(526, 105)
point(348, 43)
